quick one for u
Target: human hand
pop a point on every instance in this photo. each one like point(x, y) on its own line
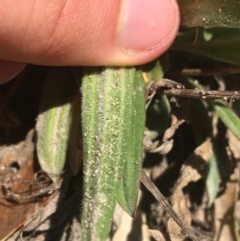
point(84, 32)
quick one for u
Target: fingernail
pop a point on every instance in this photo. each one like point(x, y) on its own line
point(146, 24)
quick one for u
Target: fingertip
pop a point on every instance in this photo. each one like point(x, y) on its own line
point(9, 70)
point(87, 32)
point(146, 29)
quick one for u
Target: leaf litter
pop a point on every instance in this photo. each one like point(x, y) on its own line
point(178, 171)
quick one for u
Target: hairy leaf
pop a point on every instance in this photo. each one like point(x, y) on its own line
point(113, 115)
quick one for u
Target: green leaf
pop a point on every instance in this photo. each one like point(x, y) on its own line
point(228, 117)
point(220, 44)
point(157, 68)
point(158, 112)
point(113, 116)
point(53, 122)
point(213, 178)
point(158, 116)
point(132, 148)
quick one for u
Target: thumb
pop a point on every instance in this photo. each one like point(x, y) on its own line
point(85, 32)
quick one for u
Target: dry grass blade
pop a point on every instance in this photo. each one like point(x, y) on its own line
point(162, 200)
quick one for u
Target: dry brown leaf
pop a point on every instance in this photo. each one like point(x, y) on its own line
point(128, 228)
point(162, 200)
point(224, 210)
point(175, 123)
point(234, 144)
point(157, 235)
point(190, 172)
point(15, 206)
point(123, 224)
point(237, 212)
point(164, 148)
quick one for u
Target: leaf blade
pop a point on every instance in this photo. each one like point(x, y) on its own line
point(108, 114)
point(227, 116)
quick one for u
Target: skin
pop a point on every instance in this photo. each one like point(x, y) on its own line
point(81, 32)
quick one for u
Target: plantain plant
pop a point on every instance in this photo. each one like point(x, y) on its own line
point(113, 119)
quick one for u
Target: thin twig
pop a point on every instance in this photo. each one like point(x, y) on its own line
point(204, 94)
point(167, 207)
